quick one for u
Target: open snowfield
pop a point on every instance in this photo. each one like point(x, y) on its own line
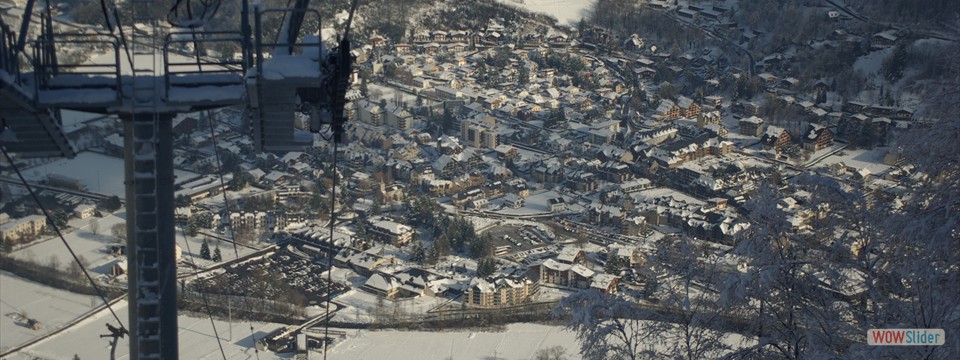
point(360, 306)
point(91, 247)
point(567, 12)
point(378, 92)
point(871, 160)
point(196, 339)
point(536, 204)
point(100, 173)
point(519, 341)
point(52, 307)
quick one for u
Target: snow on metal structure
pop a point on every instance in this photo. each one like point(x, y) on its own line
point(147, 84)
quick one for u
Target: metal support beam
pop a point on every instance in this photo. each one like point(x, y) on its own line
point(25, 26)
point(151, 265)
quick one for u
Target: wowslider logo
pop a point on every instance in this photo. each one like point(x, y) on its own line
point(906, 337)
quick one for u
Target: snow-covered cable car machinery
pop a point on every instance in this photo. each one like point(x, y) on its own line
point(146, 80)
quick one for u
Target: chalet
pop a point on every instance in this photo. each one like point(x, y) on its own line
point(458, 36)
point(633, 43)
point(688, 108)
point(817, 137)
point(630, 254)
point(431, 48)
point(456, 47)
point(775, 138)
point(768, 78)
point(672, 155)
point(605, 282)
point(884, 39)
point(558, 40)
point(571, 255)
point(712, 117)
point(854, 106)
point(401, 48)
point(644, 72)
point(388, 231)
point(789, 83)
point(903, 114)
point(421, 38)
point(382, 285)
point(667, 109)
point(476, 38)
point(747, 108)
point(439, 36)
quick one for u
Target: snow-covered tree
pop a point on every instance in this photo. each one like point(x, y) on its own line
point(609, 326)
point(205, 250)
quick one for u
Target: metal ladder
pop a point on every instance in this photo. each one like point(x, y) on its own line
point(143, 102)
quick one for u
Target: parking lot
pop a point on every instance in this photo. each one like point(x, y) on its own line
point(284, 274)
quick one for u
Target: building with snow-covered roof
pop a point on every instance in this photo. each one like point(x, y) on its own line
point(571, 255)
point(84, 211)
point(605, 282)
point(576, 275)
point(775, 138)
point(817, 137)
point(667, 109)
point(17, 229)
point(382, 285)
point(481, 132)
point(389, 231)
point(687, 107)
point(499, 292)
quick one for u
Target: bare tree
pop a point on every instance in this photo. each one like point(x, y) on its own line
point(551, 353)
point(95, 227)
point(54, 262)
point(691, 332)
point(609, 326)
point(119, 232)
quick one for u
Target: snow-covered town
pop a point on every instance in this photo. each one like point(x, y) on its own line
point(514, 179)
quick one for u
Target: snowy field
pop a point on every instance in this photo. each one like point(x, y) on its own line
point(519, 341)
point(377, 92)
point(567, 12)
point(535, 204)
point(100, 173)
point(871, 160)
point(361, 306)
point(89, 246)
point(196, 339)
point(52, 307)
point(190, 250)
